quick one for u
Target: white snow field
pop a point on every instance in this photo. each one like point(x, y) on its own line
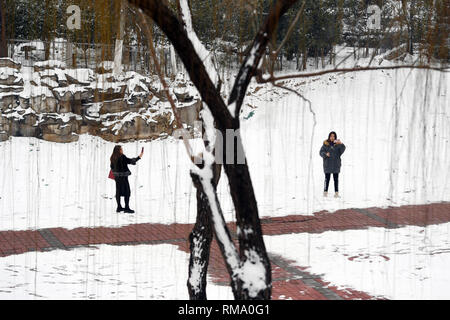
point(407, 263)
point(155, 272)
point(395, 125)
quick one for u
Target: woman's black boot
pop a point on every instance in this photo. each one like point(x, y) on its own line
point(119, 206)
point(127, 205)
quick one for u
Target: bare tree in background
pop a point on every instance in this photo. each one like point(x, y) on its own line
point(3, 44)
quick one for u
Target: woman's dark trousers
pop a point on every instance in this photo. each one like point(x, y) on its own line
point(336, 181)
point(123, 190)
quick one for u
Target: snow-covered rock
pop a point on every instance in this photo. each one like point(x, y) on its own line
point(10, 76)
point(48, 64)
point(117, 108)
point(9, 63)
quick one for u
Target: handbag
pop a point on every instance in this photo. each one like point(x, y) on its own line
point(111, 175)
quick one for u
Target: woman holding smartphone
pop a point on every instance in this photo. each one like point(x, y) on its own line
point(331, 152)
point(119, 168)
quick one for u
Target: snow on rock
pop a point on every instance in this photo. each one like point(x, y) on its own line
point(49, 64)
point(81, 75)
point(9, 63)
point(128, 100)
point(105, 67)
point(36, 45)
point(36, 91)
point(10, 76)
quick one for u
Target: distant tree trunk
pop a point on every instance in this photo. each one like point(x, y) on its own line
point(281, 62)
point(119, 40)
point(3, 43)
point(411, 28)
point(46, 33)
point(408, 17)
point(322, 58)
point(304, 58)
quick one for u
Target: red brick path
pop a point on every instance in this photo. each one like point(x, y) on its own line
point(289, 281)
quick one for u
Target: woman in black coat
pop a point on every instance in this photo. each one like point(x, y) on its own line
point(119, 167)
point(331, 152)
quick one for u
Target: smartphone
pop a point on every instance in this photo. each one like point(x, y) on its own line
point(142, 150)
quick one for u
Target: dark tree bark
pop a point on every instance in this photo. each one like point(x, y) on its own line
point(200, 241)
point(3, 43)
point(200, 244)
point(258, 48)
point(251, 243)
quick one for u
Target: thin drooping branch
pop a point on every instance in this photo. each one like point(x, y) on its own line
point(274, 53)
point(165, 18)
point(291, 28)
point(148, 34)
point(3, 44)
point(251, 271)
point(204, 54)
point(251, 61)
point(251, 244)
point(261, 79)
point(200, 237)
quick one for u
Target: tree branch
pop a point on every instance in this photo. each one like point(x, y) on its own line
point(261, 79)
point(148, 34)
point(246, 282)
point(174, 30)
point(251, 61)
point(291, 28)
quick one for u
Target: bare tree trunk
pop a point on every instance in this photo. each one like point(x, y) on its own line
point(200, 244)
point(46, 34)
point(118, 54)
point(3, 43)
point(408, 17)
point(252, 250)
point(200, 241)
point(304, 58)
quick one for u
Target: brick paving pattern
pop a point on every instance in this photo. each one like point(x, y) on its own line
point(289, 281)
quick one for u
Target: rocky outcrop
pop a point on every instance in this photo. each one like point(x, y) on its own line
point(9, 63)
point(57, 104)
point(189, 112)
point(25, 127)
point(10, 73)
point(8, 100)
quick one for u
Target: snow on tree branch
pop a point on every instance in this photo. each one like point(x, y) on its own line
point(202, 52)
point(206, 173)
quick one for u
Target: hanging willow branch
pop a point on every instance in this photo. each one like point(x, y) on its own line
point(251, 244)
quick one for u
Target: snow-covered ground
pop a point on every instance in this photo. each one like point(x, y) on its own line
point(394, 124)
point(156, 272)
point(406, 263)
